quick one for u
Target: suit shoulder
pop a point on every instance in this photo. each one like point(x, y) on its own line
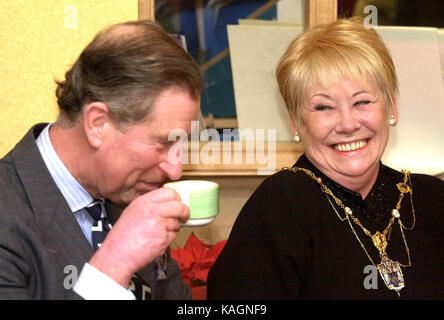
point(8, 175)
point(12, 192)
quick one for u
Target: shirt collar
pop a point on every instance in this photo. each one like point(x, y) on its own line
point(75, 195)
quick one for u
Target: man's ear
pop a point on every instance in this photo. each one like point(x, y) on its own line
point(96, 122)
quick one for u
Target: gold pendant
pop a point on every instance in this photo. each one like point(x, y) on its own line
point(380, 242)
point(391, 273)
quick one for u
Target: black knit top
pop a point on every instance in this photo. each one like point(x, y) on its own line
point(288, 242)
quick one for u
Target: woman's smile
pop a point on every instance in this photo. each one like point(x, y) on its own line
point(350, 146)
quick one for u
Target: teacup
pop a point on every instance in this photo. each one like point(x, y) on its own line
point(202, 197)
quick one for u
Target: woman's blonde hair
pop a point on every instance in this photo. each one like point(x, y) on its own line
point(326, 54)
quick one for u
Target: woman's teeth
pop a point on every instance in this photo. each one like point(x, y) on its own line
point(350, 146)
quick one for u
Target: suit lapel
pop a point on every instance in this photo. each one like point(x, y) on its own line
point(59, 230)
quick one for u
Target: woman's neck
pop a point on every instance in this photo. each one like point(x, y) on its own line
point(361, 184)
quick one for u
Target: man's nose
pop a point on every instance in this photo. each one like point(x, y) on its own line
point(170, 162)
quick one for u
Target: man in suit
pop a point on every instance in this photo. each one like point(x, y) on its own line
point(129, 88)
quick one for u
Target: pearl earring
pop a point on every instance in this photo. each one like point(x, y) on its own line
point(392, 120)
point(297, 138)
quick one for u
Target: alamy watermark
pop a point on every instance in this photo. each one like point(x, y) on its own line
point(71, 276)
point(371, 20)
point(70, 20)
point(370, 281)
point(211, 147)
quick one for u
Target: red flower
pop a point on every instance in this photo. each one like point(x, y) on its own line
point(196, 259)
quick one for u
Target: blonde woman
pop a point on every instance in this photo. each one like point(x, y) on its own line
point(339, 224)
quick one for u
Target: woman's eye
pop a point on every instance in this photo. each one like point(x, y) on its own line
point(322, 107)
point(361, 102)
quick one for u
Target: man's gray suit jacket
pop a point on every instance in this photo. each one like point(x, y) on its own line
point(41, 242)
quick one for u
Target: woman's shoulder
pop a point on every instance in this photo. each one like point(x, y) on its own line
point(285, 191)
point(282, 201)
point(428, 186)
point(289, 180)
point(425, 186)
point(425, 179)
point(419, 178)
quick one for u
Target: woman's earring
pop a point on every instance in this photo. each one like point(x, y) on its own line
point(392, 120)
point(297, 138)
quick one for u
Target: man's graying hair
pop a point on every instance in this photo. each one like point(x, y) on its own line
point(126, 66)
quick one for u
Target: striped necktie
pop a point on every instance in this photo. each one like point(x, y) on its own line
point(101, 225)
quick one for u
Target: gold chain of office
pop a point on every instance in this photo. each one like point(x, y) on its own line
point(390, 271)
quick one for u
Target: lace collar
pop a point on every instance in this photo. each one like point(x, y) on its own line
point(376, 207)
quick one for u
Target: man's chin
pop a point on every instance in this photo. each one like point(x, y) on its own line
point(129, 195)
point(137, 192)
point(126, 198)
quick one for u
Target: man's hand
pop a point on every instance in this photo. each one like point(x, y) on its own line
point(142, 233)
